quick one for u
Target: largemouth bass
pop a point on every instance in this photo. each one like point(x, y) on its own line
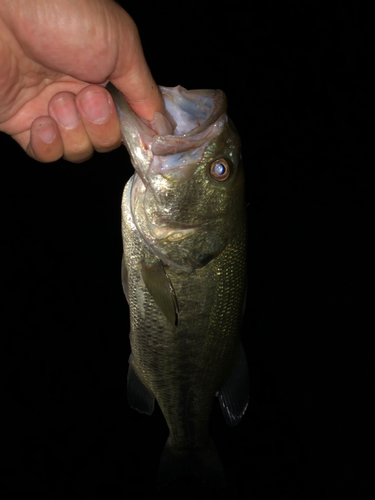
point(184, 273)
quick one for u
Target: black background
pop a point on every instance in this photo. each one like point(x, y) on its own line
point(298, 80)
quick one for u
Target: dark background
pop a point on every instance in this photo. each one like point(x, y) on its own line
point(298, 80)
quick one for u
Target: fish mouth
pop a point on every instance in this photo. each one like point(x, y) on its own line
point(195, 113)
point(188, 121)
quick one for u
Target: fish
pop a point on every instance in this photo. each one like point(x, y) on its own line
point(184, 273)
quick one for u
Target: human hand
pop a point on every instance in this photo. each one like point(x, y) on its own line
point(54, 57)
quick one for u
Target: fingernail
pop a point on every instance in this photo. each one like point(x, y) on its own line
point(96, 106)
point(66, 111)
point(46, 131)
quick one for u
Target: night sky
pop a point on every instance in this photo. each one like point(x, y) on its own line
point(298, 80)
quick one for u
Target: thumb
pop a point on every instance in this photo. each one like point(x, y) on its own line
point(131, 75)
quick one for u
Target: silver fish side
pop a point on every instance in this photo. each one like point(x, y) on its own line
point(184, 273)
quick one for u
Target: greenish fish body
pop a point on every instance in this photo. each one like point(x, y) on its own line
point(183, 273)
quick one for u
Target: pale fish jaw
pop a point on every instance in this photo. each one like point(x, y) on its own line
point(178, 166)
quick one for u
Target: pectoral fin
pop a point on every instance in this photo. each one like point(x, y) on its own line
point(160, 287)
point(139, 397)
point(234, 395)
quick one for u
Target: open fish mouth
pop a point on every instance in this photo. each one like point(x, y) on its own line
point(194, 113)
point(192, 119)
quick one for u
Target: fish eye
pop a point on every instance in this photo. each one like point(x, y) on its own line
point(220, 170)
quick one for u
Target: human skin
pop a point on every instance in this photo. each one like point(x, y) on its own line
point(55, 57)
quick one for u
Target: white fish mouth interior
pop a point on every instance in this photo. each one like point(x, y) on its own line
point(194, 116)
point(188, 108)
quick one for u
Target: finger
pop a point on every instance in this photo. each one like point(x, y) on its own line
point(76, 141)
point(141, 93)
point(45, 141)
point(132, 76)
point(98, 113)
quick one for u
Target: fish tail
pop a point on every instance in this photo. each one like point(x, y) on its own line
point(203, 463)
